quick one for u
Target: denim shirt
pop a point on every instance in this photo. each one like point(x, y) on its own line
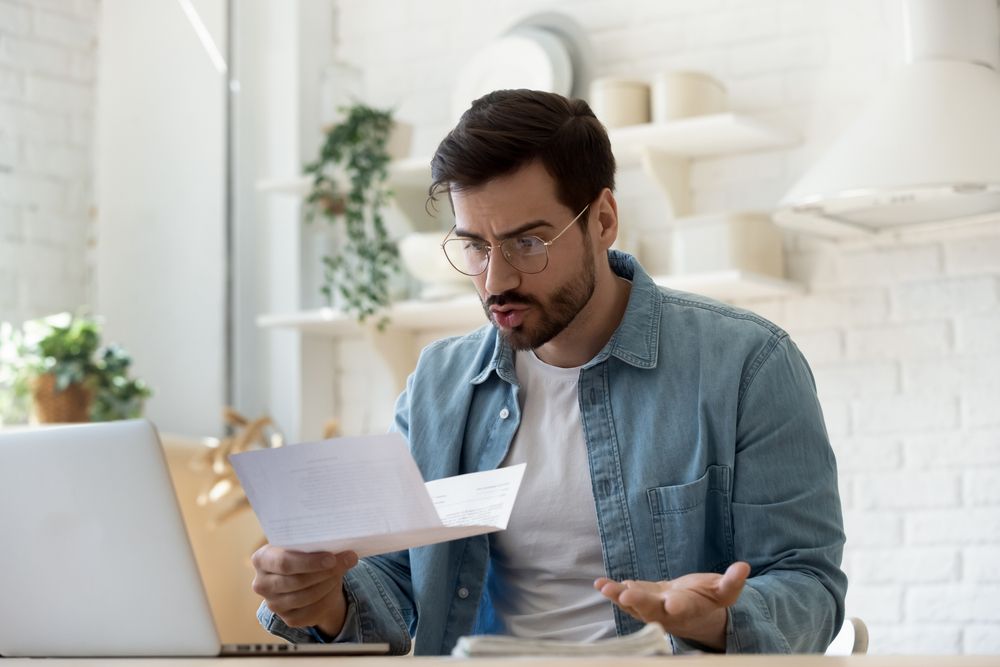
point(706, 445)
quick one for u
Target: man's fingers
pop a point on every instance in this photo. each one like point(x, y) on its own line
point(609, 588)
point(642, 603)
point(739, 570)
point(274, 560)
point(280, 561)
point(293, 604)
point(302, 617)
point(269, 585)
point(618, 593)
point(652, 587)
point(731, 584)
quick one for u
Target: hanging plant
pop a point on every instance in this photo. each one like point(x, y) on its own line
point(359, 269)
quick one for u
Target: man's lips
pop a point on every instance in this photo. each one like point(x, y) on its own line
point(508, 317)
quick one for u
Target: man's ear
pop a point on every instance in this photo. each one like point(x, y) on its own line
point(607, 218)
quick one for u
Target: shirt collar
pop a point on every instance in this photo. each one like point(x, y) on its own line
point(635, 341)
point(502, 361)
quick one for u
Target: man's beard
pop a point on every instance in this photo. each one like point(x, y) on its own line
point(555, 315)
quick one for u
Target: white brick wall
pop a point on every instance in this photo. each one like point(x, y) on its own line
point(915, 565)
point(922, 340)
point(903, 334)
point(47, 52)
point(916, 638)
point(980, 564)
point(966, 526)
point(981, 639)
point(908, 490)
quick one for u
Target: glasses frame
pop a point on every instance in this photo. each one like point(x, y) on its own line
point(491, 246)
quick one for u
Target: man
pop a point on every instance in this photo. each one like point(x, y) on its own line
point(678, 468)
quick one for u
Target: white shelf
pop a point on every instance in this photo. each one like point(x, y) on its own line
point(465, 312)
point(734, 285)
point(700, 136)
point(457, 313)
point(412, 172)
point(296, 187)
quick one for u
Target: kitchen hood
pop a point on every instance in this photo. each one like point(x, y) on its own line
point(927, 150)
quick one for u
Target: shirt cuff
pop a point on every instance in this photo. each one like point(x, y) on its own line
point(348, 633)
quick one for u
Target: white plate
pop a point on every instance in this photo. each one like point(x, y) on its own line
point(525, 57)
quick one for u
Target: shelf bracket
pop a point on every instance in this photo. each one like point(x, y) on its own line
point(396, 348)
point(671, 172)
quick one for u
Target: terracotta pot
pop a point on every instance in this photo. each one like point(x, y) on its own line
point(332, 205)
point(59, 407)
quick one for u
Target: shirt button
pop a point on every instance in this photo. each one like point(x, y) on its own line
point(504, 413)
point(463, 592)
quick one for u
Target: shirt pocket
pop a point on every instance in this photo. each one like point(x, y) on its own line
point(692, 524)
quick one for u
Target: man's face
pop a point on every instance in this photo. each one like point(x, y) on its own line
point(529, 309)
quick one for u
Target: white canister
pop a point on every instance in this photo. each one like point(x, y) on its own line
point(424, 260)
point(684, 94)
point(400, 137)
point(619, 102)
point(744, 241)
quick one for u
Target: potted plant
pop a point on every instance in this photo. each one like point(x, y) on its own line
point(117, 396)
point(356, 151)
point(58, 363)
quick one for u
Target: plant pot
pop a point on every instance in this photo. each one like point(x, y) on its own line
point(50, 406)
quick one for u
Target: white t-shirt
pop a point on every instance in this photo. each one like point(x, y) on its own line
point(546, 561)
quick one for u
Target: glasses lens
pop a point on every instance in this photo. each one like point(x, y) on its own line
point(527, 254)
point(467, 255)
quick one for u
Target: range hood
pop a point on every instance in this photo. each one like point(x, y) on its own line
point(926, 152)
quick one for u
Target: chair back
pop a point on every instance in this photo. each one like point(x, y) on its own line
point(852, 638)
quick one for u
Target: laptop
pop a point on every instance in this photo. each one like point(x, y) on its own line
point(95, 559)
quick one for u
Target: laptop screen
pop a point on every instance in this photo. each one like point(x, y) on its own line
point(97, 561)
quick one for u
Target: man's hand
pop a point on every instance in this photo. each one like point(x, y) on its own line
point(304, 589)
point(691, 607)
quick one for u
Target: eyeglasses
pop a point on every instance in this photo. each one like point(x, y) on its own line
point(527, 254)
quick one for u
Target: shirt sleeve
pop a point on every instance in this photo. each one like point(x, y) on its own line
point(380, 606)
point(372, 616)
point(786, 512)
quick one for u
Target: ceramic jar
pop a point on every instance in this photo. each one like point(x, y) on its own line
point(618, 102)
point(679, 95)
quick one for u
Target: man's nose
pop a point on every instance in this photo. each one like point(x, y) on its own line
point(500, 275)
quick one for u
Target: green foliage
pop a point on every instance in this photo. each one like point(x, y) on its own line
point(118, 396)
point(360, 269)
point(69, 348)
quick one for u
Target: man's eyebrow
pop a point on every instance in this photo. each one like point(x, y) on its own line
point(517, 231)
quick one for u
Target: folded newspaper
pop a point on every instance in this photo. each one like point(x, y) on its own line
point(651, 640)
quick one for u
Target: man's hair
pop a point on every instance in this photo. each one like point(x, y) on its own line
point(507, 129)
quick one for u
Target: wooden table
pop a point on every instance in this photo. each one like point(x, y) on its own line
point(691, 661)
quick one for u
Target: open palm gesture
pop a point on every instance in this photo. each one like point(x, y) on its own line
point(691, 607)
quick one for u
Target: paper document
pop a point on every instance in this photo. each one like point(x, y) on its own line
point(366, 495)
point(650, 640)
